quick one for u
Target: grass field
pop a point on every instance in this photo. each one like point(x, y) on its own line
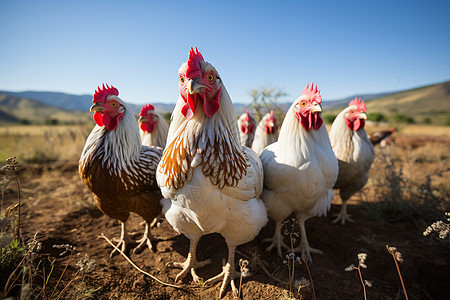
point(408, 189)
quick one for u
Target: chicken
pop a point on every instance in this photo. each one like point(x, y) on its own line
point(383, 137)
point(300, 170)
point(213, 182)
point(118, 170)
point(247, 125)
point(266, 133)
point(354, 151)
point(152, 127)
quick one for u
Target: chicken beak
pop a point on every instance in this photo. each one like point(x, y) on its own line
point(141, 119)
point(194, 86)
point(316, 108)
point(96, 107)
point(363, 116)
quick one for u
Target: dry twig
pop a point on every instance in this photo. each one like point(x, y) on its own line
point(136, 267)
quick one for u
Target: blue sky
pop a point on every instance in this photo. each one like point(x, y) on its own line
point(346, 47)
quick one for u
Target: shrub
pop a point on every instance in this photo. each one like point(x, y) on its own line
point(402, 118)
point(376, 117)
point(51, 122)
point(9, 253)
point(24, 122)
point(329, 118)
point(447, 121)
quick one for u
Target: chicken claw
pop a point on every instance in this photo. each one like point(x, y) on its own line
point(277, 240)
point(228, 275)
point(189, 265)
point(343, 216)
point(145, 240)
point(304, 247)
point(123, 241)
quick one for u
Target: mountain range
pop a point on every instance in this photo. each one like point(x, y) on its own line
point(432, 101)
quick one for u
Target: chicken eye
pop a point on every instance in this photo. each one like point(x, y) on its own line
point(210, 77)
point(181, 79)
point(113, 104)
point(303, 104)
point(351, 111)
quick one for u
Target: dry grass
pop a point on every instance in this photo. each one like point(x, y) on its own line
point(40, 143)
point(420, 173)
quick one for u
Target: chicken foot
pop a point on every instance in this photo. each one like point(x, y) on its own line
point(304, 247)
point(228, 275)
point(123, 241)
point(343, 215)
point(145, 240)
point(277, 240)
point(190, 264)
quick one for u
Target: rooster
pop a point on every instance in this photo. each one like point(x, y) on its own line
point(118, 170)
point(300, 170)
point(354, 151)
point(153, 127)
point(266, 133)
point(247, 125)
point(214, 184)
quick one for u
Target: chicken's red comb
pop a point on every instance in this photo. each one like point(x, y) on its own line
point(101, 93)
point(247, 116)
point(360, 104)
point(146, 108)
point(194, 69)
point(312, 92)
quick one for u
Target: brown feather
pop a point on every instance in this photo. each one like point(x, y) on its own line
point(117, 196)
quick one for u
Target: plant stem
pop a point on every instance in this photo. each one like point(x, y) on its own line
point(18, 198)
point(401, 279)
point(362, 281)
point(310, 278)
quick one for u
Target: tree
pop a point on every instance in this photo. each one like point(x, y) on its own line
point(265, 100)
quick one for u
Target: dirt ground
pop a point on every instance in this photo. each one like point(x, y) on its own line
point(58, 209)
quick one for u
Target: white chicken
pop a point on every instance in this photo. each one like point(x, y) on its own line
point(266, 133)
point(214, 184)
point(300, 170)
point(354, 151)
point(152, 127)
point(247, 125)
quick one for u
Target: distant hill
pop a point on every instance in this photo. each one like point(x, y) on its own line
point(430, 102)
point(34, 111)
point(7, 118)
point(61, 100)
point(332, 104)
point(76, 102)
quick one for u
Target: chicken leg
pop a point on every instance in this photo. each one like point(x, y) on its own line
point(277, 240)
point(145, 240)
point(228, 274)
point(190, 264)
point(343, 216)
point(123, 241)
point(304, 247)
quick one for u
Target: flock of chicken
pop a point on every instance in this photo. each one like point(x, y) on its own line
point(202, 175)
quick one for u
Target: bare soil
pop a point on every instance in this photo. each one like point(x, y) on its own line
point(58, 207)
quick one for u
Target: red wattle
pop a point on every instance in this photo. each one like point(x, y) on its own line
point(189, 108)
point(312, 120)
point(212, 106)
point(356, 124)
point(244, 129)
point(98, 118)
point(149, 127)
point(317, 121)
point(111, 123)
